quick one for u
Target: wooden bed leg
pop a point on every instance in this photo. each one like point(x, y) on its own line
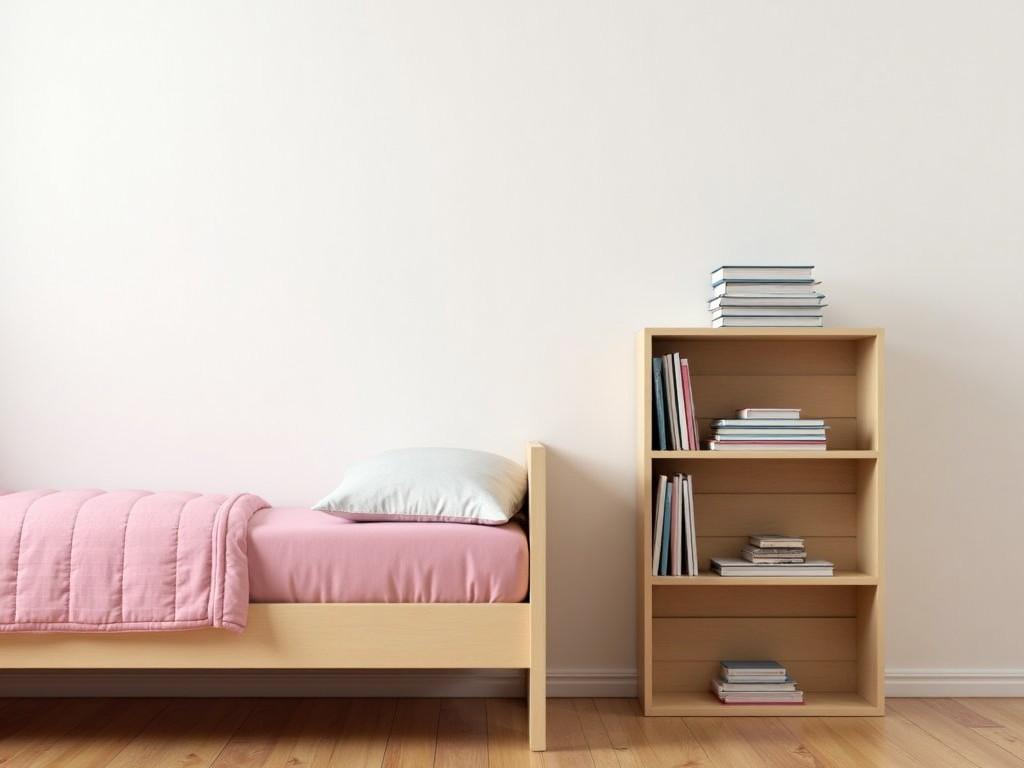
point(537, 698)
point(537, 704)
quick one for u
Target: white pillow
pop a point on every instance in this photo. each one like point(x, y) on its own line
point(449, 485)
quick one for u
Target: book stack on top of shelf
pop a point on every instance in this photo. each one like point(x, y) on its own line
point(772, 555)
point(768, 429)
point(765, 297)
point(675, 544)
point(755, 682)
point(675, 419)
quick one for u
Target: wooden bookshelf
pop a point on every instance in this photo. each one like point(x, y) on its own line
point(828, 631)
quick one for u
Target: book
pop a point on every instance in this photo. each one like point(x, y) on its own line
point(775, 541)
point(723, 686)
point(768, 322)
point(767, 697)
point(793, 414)
point(691, 530)
point(670, 400)
point(691, 411)
point(760, 300)
point(758, 555)
point(659, 407)
point(680, 404)
point(734, 566)
point(752, 417)
point(769, 290)
point(676, 548)
point(659, 524)
point(765, 310)
point(764, 445)
point(666, 531)
point(760, 273)
point(730, 669)
point(807, 434)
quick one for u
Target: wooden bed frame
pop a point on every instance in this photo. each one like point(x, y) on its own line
point(340, 635)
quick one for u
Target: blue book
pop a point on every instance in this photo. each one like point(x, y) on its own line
point(659, 407)
point(666, 532)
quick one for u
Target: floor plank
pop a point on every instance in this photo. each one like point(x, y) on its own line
point(652, 741)
point(967, 741)
point(27, 734)
point(413, 737)
point(601, 751)
point(461, 734)
point(308, 738)
point(188, 734)
point(897, 730)
point(362, 736)
point(99, 738)
point(720, 738)
point(254, 741)
point(507, 735)
point(776, 745)
point(567, 744)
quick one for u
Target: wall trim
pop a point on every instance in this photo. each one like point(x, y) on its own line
point(441, 682)
point(954, 682)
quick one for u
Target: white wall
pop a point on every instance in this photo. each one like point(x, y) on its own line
point(244, 243)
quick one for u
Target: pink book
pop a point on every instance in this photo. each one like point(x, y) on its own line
point(691, 411)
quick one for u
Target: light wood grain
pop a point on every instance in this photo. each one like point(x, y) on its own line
point(536, 463)
point(597, 733)
point(461, 734)
point(833, 498)
point(340, 635)
point(413, 739)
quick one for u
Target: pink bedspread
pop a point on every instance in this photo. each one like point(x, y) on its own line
point(92, 561)
point(304, 556)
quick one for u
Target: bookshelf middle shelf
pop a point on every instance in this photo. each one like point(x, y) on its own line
point(765, 455)
point(839, 579)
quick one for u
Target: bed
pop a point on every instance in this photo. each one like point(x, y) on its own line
point(411, 622)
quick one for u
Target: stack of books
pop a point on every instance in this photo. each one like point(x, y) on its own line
point(675, 419)
point(755, 682)
point(772, 555)
point(772, 548)
point(765, 297)
point(768, 429)
point(674, 541)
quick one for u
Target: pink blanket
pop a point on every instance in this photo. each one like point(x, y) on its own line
point(125, 561)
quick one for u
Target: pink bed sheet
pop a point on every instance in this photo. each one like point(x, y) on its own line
point(304, 556)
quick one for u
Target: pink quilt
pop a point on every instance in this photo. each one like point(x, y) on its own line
point(125, 561)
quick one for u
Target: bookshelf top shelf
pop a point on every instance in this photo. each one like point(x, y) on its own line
point(718, 455)
point(764, 334)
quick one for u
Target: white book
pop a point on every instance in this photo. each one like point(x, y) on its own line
point(769, 413)
point(676, 532)
point(817, 300)
point(691, 531)
point(766, 311)
point(684, 430)
point(789, 445)
point(659, 524)
point(768, 322)
point(803, 434)
point(771, 290)
point(801, 272)
point(670, 400)
point(734, 566)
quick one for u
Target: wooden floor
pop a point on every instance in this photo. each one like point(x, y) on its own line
point(598, 733)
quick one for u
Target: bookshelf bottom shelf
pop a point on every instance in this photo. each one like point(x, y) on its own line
point(704, 704)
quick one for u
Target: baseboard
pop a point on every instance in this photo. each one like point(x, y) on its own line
point(954, 682)
point(442, 682)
